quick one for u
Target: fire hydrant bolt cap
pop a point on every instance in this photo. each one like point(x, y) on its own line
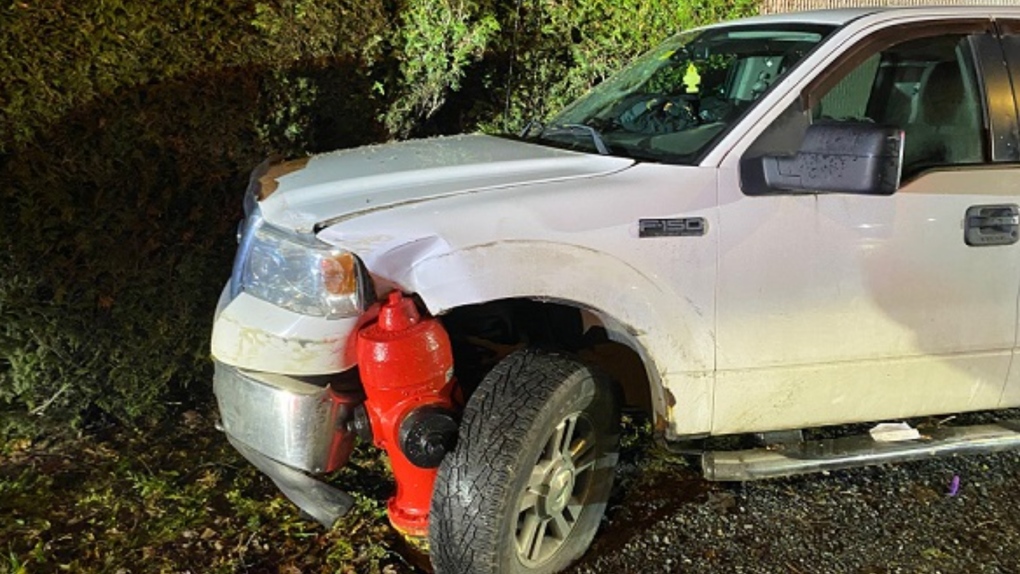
point(398, 313)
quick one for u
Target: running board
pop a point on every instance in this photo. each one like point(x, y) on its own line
point(855, 451)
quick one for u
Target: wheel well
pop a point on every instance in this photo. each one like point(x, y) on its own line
point(484, 333)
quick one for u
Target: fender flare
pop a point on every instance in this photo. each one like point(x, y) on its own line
point(640, 313)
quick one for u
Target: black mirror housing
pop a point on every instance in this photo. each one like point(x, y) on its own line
point(836, 157)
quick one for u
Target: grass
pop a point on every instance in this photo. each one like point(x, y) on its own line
point(176, 498)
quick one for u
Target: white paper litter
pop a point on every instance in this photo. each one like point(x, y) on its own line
point(893, 432)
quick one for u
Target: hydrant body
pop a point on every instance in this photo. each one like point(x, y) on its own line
point(406, 367)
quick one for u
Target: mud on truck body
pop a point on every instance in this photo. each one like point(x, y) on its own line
point(761, 226)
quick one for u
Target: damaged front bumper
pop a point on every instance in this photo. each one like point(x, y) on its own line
point(290, 427)
point(260, 336)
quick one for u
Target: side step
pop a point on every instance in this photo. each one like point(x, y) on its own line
point(850, 452)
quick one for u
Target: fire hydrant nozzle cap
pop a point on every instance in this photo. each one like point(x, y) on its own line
point(398, 313)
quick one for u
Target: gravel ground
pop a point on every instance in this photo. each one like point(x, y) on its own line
point(901, 518)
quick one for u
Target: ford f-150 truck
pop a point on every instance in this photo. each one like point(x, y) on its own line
point(759, 227)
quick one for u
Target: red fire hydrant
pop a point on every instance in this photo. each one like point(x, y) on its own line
point(406, 367)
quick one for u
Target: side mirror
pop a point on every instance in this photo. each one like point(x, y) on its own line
point(841, 157)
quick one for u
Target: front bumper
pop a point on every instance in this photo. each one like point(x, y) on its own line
point(318, 499)
point(301, 423)
point(290, 427)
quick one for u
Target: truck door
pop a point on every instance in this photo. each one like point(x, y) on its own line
point(835, 307)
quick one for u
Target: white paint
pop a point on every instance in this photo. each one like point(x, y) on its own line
point(345, 183)
point(251, 333)
point(841, 308)
point(573, 241)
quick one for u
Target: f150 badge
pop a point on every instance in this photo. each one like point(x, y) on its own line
point(684, 227)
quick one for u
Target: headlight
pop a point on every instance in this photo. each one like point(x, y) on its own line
point(300, 273)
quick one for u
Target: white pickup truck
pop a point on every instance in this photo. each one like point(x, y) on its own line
point(784, 222)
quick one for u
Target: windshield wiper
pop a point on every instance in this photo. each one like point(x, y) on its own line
point(596, 137)
point(532, 124)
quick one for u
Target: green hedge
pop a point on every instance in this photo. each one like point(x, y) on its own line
point(127, 129)
point(565, 48)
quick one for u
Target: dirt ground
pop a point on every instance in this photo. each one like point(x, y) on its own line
point(955, 515)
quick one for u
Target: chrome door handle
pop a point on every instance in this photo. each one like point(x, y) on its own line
point(992, 225)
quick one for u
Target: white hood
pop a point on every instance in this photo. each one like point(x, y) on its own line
point(343, 184)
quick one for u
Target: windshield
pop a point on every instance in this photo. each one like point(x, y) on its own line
point(673, 102)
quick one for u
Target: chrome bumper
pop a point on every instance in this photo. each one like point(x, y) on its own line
point(294, 422)
point(320, 500)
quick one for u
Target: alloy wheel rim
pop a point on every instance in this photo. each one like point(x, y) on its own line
point(557, 490)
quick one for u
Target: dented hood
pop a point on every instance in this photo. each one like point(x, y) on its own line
point(339, 185)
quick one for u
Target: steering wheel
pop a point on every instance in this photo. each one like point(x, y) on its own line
point(657, 114)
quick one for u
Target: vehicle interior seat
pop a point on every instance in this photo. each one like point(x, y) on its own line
point(947, 130)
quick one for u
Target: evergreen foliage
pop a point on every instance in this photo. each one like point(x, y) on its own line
point(127, 129)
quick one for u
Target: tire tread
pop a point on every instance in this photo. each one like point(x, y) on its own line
point(471, 487)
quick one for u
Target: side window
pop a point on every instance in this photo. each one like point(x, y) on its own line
point(848, 100)
point(926, 86)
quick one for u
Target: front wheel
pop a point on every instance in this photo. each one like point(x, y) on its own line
point(526, 487)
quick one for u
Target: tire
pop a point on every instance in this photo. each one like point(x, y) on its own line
point(509, 500)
